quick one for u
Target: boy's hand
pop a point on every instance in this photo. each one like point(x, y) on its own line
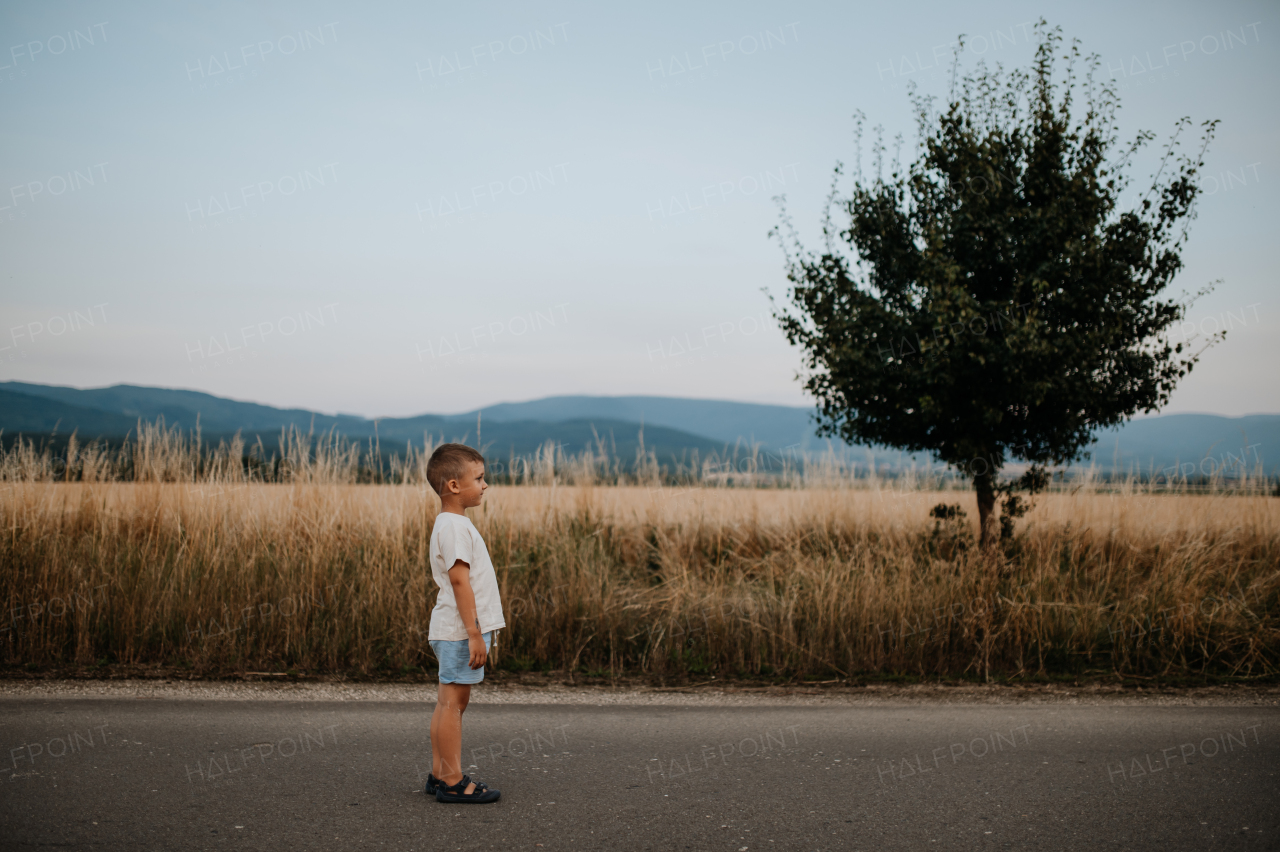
point(475, 645)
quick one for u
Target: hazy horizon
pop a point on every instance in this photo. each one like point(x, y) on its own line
point(392, 211)
point(481, 408)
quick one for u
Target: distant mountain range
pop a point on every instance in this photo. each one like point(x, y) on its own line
point(112, 413)
point(673, 427)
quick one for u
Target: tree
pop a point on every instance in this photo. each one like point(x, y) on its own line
point(998, 302)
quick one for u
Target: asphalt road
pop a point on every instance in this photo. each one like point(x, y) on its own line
point(86, 773)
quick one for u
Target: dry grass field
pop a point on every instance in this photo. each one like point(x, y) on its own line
point(682, 582)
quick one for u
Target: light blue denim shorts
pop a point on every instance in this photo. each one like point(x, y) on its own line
point(455, 660)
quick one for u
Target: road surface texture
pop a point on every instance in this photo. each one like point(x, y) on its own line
point(229, 767)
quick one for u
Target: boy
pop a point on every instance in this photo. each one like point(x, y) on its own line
point(466, 614)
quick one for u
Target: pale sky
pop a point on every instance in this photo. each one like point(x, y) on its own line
point(395, 209)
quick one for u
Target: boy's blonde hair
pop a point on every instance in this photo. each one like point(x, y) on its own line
point(449, 461)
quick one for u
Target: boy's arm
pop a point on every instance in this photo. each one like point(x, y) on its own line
point(460, 580)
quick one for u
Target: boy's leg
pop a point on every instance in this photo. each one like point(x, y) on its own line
point(446, 733)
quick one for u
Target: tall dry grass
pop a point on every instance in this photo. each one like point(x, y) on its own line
point(230, 574)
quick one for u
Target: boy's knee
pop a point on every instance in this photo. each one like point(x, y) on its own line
point(455, 696)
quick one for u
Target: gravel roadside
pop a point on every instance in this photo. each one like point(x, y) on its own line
point(700, 695)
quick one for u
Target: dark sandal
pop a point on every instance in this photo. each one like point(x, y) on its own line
point(433, 783)
point(456, 793)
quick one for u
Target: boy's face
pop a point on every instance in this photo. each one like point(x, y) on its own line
point(470, 487)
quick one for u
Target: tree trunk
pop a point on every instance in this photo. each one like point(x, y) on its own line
point(984, 484)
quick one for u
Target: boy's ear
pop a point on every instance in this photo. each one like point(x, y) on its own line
point(452, 486)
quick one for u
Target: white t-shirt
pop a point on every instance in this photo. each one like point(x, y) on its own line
point(454, 537)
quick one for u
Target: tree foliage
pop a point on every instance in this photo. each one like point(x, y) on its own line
point(994, 300)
